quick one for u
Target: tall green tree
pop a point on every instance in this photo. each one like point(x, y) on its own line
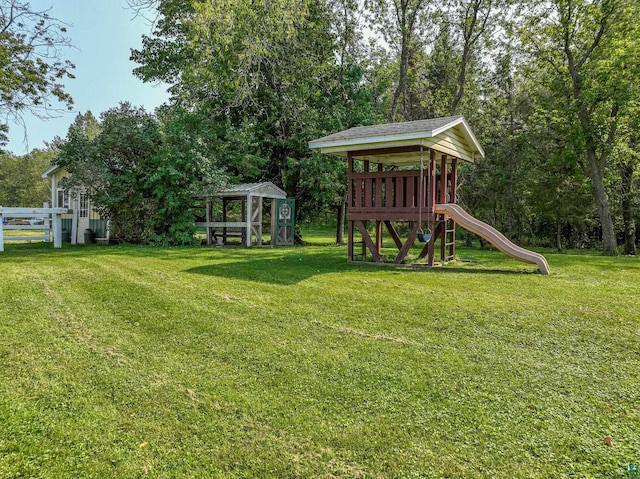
point(267, 76)
point(475, 21)
point(579, 48)
point(399, 22)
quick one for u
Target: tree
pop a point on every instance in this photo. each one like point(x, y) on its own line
point(473, 18)
point(626, 157)
point(397, 21)
point(267, 76)
point(31, 65)
point(576, 45)
point(87, 123)
point(20, 181)
point(141, 172)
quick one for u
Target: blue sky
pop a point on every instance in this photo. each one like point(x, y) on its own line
point(103, 32)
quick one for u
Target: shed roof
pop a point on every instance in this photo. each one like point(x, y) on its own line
point(265, 189)
point(49, 171)
point(401, 143)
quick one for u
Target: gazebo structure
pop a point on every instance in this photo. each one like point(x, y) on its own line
point(418, 187)
point(240, 215)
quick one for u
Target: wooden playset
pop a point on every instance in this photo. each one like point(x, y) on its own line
point(416, 190)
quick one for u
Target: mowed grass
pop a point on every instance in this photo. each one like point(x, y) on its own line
point(287, 362)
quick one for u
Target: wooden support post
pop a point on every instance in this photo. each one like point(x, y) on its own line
point(430, 206)
point(425, 251)
point(208, 220)
point(443, 239)
point(225, 203)
point(363, 245)
point(454, 180)
point(249, 214)
point(402, 254)
point(350, 231)
point(350, 240)
point(443, 180)
point(394, 234)
point(256, 218)
point(379, 236)
point(1, 232)
point(366, 241)
point(274, 212)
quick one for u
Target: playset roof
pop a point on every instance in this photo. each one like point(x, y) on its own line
point(403, 144)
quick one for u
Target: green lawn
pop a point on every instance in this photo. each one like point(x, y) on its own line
point(274, 363)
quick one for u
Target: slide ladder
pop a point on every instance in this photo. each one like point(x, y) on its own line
point(493, 236)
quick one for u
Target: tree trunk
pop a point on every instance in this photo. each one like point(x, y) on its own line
point(402, 79)
point(559, 235)
point(626, 173)
point(468, 239)
point(340, 223)
point(597, 166)
point(461, 80)
point(609, 243)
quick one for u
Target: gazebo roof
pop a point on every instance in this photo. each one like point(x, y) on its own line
point(264, 190)
point(404, 143)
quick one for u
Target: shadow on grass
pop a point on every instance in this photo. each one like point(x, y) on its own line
point(293, 268)
point(290, 268)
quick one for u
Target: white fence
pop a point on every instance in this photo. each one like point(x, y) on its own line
point(38, 219)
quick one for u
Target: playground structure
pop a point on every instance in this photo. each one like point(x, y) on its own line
point(418, 188)
point(32, 219)
point(239, 218)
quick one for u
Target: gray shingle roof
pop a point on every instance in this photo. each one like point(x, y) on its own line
point(390, 129)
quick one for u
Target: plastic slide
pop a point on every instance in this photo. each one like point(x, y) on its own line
point(492, 235)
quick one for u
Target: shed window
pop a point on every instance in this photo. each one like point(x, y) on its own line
point(63, 198)
point(84, 206)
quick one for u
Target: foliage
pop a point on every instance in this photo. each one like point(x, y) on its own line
point(141, 172)
point(267, 76)
point(550, 90)
point(20, 181)
point(287, 362)
point(31, 63)
point(584, 49)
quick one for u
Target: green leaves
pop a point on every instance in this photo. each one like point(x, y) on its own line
point(20, 181)
point(266, 79)
point(142, 172)
point(31, 66)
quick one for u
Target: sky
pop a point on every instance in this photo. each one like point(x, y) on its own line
point(103, 33)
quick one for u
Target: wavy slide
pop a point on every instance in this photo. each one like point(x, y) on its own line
point(492, 235)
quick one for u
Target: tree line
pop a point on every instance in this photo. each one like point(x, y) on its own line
point(550, 89)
